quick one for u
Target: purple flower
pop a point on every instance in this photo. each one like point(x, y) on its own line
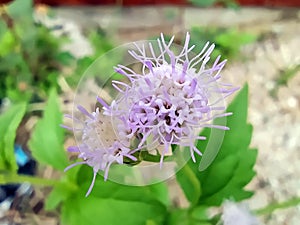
point(168, 103)
point(100, 147)
point(170, 100)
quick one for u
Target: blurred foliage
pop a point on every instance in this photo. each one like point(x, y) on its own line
point(31, 58)
point(9, 122)
point(208, 3)
point(47, 145)
point(100, 44)
point(228, 42)
point(284, 76)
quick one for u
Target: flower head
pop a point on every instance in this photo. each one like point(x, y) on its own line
point(168, 102)
point(99, 146)
point(171, 99)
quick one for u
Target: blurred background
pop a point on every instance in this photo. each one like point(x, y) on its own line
point(49, 44)
point(294, 3)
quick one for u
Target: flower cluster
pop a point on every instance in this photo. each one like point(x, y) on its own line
point(169, 101)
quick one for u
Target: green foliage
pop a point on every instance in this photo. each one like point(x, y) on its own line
point(190, 216)
point(233, 167)
point(9, 122)
point(58, 194)
point(92, 210)
point(21, 10)
point(207, 3)
point(47, 138)
point(287, 74)
point(31, 58)
point(189, 183)
point(132, 205)
point(101, 44)
point(227, 41)
point(284, 77)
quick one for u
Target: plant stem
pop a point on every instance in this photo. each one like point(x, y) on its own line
point(16, 179)
point(278, 205)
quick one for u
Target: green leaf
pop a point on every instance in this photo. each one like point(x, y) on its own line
point(150, 222)
point(232, 40)
point(161, 192)
point(9, 122)
point(220, 174)
point(199, 213)
point(232, 169)
point(109, 203)
point(110, 211)
point(21, 9)
point(203, 3)
point(178, 217)
point(106, 188)
point(65, 58)
point(8, 43)
point(47, 139)
point(227, 41)
point(59, 194)
point(187, 217)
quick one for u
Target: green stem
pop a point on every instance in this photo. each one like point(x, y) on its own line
point(278, 205)
point(16, 179)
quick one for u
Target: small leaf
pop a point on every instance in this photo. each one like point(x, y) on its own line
point(9, 122)
point(47, 139)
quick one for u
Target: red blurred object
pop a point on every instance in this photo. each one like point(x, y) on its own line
point(284, 3)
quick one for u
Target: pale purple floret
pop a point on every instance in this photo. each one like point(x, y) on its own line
point(170, 101)
point(99, 147)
